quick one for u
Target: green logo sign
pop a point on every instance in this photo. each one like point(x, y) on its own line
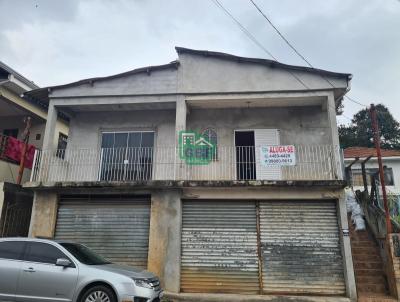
point(194, 149)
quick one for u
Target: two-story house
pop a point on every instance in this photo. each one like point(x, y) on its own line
point(222, 174)
point(15, 202)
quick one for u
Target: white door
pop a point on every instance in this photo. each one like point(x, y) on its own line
point(266, 137)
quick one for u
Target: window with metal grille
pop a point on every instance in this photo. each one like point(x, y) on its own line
point(210, 135)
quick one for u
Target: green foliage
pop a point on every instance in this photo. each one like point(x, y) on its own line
point(359, 132)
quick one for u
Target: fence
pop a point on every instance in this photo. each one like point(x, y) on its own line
point(313, 162)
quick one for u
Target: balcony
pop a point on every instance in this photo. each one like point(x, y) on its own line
point(9, 165)
point(224, 163)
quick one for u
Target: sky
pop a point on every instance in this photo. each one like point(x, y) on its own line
point(59, 41)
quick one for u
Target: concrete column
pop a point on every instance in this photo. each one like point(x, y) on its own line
point(346, 250)
point(165, 238)
point(180, 124)
point(393, 264)
point(50, 139)
point(44, 215)
point(181, 112)
point(331, 109)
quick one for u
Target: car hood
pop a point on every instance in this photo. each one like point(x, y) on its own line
point(124, 270)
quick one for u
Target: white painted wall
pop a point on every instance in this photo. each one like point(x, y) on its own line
point(393, 163)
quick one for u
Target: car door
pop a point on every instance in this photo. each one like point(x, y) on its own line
point(10, 266)
point(41, 279)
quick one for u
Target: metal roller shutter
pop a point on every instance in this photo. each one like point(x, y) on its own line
point(301, 248)
point(219, 247)
point(116, 228)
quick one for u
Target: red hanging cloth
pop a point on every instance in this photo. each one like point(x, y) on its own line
point(14, 150)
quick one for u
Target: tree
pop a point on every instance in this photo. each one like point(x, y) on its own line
point(359, 132)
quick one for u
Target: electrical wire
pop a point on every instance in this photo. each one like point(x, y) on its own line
point(254, 39)
point(298, 53)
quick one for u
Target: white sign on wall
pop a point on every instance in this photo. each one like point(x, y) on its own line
point(278, 155)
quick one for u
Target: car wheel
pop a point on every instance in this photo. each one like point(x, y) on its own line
point(98, 293)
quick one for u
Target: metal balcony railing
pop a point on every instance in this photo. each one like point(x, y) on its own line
point(312, 162)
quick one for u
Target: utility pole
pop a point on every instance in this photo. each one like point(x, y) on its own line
point(24, 149)
point(377, 141)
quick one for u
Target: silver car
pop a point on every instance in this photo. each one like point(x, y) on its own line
point(46, 270)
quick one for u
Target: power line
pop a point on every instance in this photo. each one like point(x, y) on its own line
point(254, 39)
point(297, 52)
point(280, 34)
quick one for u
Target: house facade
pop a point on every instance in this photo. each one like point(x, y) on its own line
point(15, 202)
point(391, 162)
point(221, 174)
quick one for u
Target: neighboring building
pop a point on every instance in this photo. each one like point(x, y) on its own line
point(390, 158)
point(222, 174)
point(16, 203)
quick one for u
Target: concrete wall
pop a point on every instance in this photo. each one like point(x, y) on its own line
point(86, 128)
point(166, 219)
point(9, 172)
point(85, 133)
point(297, 125)
point(203, 74)
point(44, 215)
point(165, 241)
point(16, 122)
point(393, 163)
point(198, 74)
point(159, 81)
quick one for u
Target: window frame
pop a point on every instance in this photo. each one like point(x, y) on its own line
point(370, 172)
point(62, 143)
point(126, 147)
point(27, 250)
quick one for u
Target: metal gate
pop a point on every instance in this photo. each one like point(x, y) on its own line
point(252, 247)
point(115, 227)
point(17, 217)
point(301, 248)
point(219, 247)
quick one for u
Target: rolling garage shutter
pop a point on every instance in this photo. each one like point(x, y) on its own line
point(300, 247)
point(117, 228)
point(219, 247)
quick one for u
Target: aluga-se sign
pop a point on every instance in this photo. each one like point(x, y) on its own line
point(194, 149)
point(278, 155)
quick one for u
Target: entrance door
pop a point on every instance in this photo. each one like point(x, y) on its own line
point(245, 155)
point(126, 156)
point(248, 157)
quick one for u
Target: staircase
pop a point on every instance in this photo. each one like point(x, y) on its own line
point(371, 282)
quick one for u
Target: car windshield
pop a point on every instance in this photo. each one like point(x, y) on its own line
point(84, 254)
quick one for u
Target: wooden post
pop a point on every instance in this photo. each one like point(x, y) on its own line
point(364, 173)
point(377, 140)
point(24, 149)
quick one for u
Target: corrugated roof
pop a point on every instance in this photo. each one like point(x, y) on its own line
point(19, 76)
point(363, 152)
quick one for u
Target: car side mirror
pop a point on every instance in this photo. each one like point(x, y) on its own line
point(63, 262)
